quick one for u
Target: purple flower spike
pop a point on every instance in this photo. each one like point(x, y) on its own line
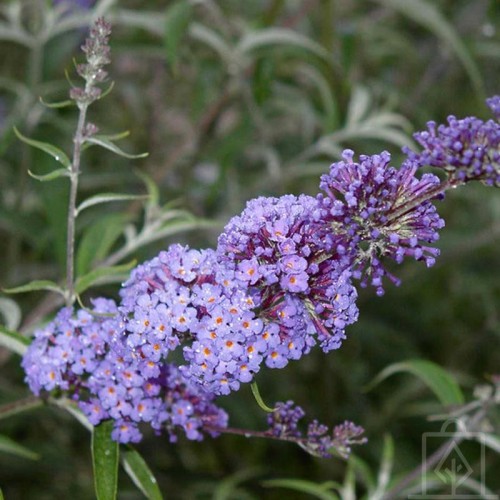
point(466, 149)
point(381, 212)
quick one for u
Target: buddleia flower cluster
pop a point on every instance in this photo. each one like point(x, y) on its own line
point(85, 355)
point(381, 212)
point(191, 325)
point(465, 149)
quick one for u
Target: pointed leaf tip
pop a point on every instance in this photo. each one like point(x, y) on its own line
point(104, 142)
point(53, 151)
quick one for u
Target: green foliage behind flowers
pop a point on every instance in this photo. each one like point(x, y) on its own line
point(233, 101)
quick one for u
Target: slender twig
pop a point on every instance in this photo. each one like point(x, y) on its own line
point(75, 171)
point(19, 406)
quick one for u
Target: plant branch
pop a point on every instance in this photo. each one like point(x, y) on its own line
point(75, 171)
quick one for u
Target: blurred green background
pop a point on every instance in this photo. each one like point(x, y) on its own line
point(233, 100)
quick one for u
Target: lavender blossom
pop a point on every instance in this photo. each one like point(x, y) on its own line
point(466, 149)
point(380, 212)
point(85, 356)
point(185, 297)
point(282, 252)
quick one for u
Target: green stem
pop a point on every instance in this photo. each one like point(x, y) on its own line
point(20, 406)
point(75, 171)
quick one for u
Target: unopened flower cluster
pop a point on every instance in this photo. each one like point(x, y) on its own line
point(318, 439)
point(281, 281)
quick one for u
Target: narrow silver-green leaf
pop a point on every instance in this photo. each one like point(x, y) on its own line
point(53, 151)
point(72, 408)
point(108, 198)
point(363, 472)
point(116, 137)
point(428, 15)
point(19, 406)
point(441, 383)
point(211, 39)
point(258, 398)
point(36, 285)
point(385, 470)
point(280, 36)
point(490, 440)
point(8, 33)
point(177, 18)
point(228, 487)
point(104, 142)
point(153, 191)
point(7, 445)
point(105, 455)
point(316, 490)
point(60, 172)
point(138, 470)
point(13, 341)
point(107, 91)
point(11, 313)
point(59, 104)
point(100, 275)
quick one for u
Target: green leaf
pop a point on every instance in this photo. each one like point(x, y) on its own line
point(36, 285)
point(431, 18)
point(108, 198)
point(211, 39)
point(100, 276)
point(385, 470)
point(490, 440)
point(8, 33)
point(7, 445)
point(105, 454)
point(280, 36)
point(258, 398)
point(363, 472)
point(138, 470)
point(60, 172)
point(227, 488)
point(56, 105)
point(108, 90)
point(348, 489)
point(320, 491)
point(98, 239)
point(104, 142)
point(56, 153)
point(72, 408)
point(441, 383)
point(177, 19)
point(153, 191)
point(13, 341)
point(325, 91)
point(11, 312)
point(116, 137)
